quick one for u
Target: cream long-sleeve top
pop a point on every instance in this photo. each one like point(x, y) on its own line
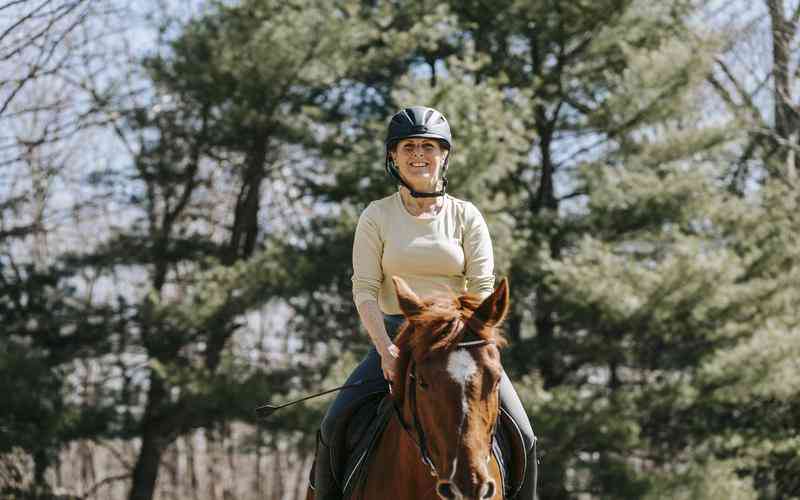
point(450, 253)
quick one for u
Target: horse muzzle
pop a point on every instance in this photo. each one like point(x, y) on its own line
point(448, 490)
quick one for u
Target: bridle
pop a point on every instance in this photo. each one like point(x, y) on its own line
point(415, 430)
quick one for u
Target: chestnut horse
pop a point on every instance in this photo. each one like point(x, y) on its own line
point(438, 444)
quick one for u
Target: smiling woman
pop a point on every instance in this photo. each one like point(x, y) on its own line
point(440, 246)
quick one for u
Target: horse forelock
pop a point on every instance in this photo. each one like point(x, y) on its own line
point(442, 324)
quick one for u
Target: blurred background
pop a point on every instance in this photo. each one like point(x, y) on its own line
point(180, 181)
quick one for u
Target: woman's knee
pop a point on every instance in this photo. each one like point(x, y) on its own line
point(369, 373)
point(511, 403)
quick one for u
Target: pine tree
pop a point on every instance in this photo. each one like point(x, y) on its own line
point(750, 388)
point(247, 96)
point(608, 209)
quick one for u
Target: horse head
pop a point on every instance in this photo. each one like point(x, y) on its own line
point(447, 385)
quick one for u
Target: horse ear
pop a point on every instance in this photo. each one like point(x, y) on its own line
point(494, 308)
point(410, 304)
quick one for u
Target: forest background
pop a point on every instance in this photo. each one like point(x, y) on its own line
point(179, 184)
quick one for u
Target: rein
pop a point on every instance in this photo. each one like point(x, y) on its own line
point(421, 441)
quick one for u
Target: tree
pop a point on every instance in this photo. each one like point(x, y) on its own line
point(605, 191)
point(235, 102)
point(748, 388)
point(589, 97)
point(48, 333)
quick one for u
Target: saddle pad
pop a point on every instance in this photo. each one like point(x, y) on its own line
point(363, 431)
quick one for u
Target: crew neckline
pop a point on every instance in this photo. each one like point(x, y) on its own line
point(399, 201)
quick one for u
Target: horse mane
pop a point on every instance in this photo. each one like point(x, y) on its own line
point(440, 326)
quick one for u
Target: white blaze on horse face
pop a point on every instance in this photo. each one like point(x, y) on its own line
point(461, 366)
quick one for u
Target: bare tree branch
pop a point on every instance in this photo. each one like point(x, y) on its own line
point(12, 3)
point(47, 29)
point(111, 479)
point(23, 20)
point(746, 98)
point(46, 51)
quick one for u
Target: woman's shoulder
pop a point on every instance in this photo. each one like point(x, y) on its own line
point(377, 209)
point(467, 208)
point(382, 204)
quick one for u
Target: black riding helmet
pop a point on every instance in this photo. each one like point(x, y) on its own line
point(418, 121)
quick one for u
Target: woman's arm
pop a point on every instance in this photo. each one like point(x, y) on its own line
point(478, 255)
point(372, 319)
point(367, 279)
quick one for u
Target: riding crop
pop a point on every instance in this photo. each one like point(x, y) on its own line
point(268, 409)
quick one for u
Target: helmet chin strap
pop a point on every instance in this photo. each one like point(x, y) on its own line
point(419, 194)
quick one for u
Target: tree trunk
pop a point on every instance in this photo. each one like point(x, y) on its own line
point(786, 116)
point(304, 460)
point(191, 465)
point(40, 464)
point(259, 458)
point(145, 473)
point(782, 34)
point(212, 464)
point(154, 440)
point(245, 224)
point(546, 203)
point(173, 464)
point(278, 488)
point(229, 443)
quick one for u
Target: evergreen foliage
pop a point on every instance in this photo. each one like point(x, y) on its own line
point(654, 325)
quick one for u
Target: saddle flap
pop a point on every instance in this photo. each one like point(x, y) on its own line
point(364, 427)
point(511, 447)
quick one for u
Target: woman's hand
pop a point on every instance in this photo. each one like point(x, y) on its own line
point(372, 318)
point(389, 357)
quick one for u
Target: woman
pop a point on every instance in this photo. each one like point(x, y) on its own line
point(436, 243)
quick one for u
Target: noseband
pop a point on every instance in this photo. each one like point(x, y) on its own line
point(420, 439)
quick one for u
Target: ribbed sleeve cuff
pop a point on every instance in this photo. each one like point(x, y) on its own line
point(481, 285)
point(365, 289)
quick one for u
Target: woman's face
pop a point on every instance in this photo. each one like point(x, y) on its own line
point(419, 160)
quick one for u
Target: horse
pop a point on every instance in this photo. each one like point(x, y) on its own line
point(445, 391)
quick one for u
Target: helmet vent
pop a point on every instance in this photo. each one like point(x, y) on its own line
point(401, 118)
point(427, 116)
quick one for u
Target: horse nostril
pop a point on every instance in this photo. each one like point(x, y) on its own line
point(445, 490)
point(487, 491)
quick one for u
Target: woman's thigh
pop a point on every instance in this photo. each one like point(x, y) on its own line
point(509, 399)
point(368, 369)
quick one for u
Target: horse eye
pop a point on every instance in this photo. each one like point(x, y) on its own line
point(423, 384)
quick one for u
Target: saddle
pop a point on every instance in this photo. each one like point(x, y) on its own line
point(369, 417)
